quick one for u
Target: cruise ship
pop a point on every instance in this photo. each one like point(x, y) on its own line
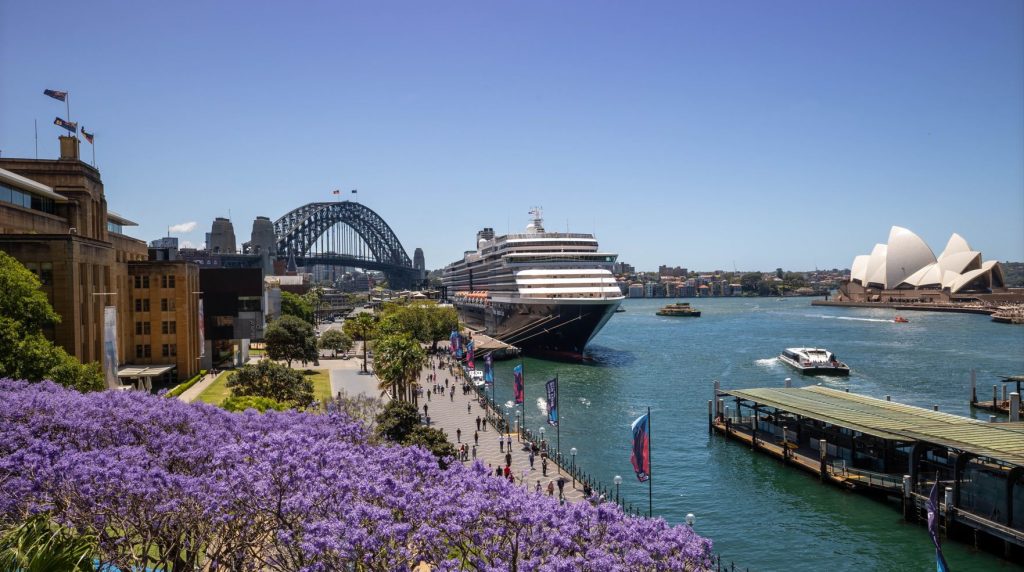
point(543, 292)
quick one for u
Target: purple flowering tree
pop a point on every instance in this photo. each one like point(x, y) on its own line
point(168, 485)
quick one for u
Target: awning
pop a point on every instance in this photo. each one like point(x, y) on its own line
point(136, 371)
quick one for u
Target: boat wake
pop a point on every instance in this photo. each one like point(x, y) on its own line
point(542, 404)
point(585, 401)
point(823, 316)
point(767, 362)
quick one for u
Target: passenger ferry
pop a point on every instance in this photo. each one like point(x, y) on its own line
point(543, 292)
point(681, 309)
point(814, 361)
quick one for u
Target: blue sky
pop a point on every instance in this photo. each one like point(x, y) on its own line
point(705, 135)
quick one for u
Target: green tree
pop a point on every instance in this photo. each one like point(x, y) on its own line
point(751, 282)
point(426, 322)
point(298, 306)
point(433, 440)
point(271, 380)
point(397, 421)
point(240, 403)
point(397, 362)
point(25, 353)
point(335, 341)
point(290, 338)
point(362, 328)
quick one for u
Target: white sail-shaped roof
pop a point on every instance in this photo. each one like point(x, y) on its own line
point(960, 262)
point(928, 276)
point(955, 244)
point(876, 265)
point(859, 268)
point(907, 254)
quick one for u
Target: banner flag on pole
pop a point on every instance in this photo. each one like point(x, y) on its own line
point(517, 383)
point(110, 347)
point(69, 125)
point(641, 456)
point(469, 354)
point(88, 136)
point(933, 526)
point(202, 330)
point(58, 95)
point(488, 370)
point(552, 389)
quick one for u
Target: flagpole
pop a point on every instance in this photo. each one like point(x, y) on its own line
point(35, 122)
point(67, 102)
point(558, 426)
point(650, 473)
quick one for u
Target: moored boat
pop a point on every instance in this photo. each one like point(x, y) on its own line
point(814, 361)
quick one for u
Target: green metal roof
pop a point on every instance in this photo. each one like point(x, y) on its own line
point(894, 421)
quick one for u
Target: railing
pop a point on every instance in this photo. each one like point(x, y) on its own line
point(872, 479)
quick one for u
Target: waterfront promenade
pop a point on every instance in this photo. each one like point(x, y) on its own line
point(452, 413)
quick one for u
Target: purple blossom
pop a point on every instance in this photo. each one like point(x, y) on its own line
point(166, 484)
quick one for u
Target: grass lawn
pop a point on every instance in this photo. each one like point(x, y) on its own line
point(219, 391)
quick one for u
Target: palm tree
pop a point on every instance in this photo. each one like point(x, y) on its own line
point(398, 363)
point(363, 328)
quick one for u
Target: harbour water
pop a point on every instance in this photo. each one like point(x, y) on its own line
point(761, 514)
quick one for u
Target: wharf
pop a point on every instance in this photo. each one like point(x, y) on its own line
point(485, 344)
point(997, 405)
point(892, 451)
point(908, 307)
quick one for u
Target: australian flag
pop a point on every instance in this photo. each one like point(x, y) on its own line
point(60, 95)
point(641, 456)
point(88, 136)
point(488, 370)
point(552, 390)
point(69, 125)
point(933, 527)
point(517, 384)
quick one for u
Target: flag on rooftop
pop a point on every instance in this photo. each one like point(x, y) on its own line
point(59, 95)
point(88, 136)
point(335, 192)
point(69, 125)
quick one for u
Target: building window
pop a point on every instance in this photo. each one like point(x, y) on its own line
point(166, 304)
point(142, 281)
point(141, 328)
point(142, 351)
point(138, 351)
point(170, 350)
point(167, 281)
point(146, 350)
point(169, 327)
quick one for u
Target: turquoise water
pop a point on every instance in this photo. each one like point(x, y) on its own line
point(759, 513)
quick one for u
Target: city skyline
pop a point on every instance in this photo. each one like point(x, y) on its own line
point(709, 137)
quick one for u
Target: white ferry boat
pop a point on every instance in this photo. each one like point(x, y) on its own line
point(544, 292)
point(814, 361)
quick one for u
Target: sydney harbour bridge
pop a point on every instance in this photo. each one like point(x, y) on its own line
point(344, 234)
point(341, 233)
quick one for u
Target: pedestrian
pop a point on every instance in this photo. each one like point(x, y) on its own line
point(474, 452)
point(501, 443)
point(544, 466)
point(537, 490)
point(508, 441)
point(483, 423)
point(428, 397)
point(477, 422)
point(453, 394)
point(476, 438)
point(531, 460)
point(458, 435)
point(508, 471)
point(469, 408)
point(424, 409)
point(508, 458)
point(497, 471)
point(551, 488)
point(561, 487)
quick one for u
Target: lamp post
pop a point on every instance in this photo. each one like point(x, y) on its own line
point(690, 519)
point(573, 453)
point(618, 481)
point(543, 445)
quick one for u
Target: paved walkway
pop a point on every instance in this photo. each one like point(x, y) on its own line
point(190, 394)
point(451, 414)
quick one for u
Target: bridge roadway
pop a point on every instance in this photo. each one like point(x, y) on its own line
point(451, 413)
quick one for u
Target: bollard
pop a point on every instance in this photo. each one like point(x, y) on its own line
point(995, 392)
point(1014, 407)
point(722, 408)
point(711, 418)
point(935, 407)
point(788, 382)
point(822, 456)
point(991, 418)
point(888, 398)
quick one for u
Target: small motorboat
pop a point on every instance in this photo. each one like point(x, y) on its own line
point(814, 361)
point(900, 320)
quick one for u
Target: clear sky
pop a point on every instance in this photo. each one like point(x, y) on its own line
point(706, 135)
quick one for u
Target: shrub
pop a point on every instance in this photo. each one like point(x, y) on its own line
point(237, 404)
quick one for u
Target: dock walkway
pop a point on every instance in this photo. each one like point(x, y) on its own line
point(457, 412)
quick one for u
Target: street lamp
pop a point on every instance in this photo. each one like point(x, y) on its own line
point(543, 445)
point(573, 453)
point(618, 481)
point(690, 519)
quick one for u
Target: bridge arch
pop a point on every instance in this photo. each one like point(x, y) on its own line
point(301, 234)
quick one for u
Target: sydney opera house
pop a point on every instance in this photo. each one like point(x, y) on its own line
point(905, 270)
